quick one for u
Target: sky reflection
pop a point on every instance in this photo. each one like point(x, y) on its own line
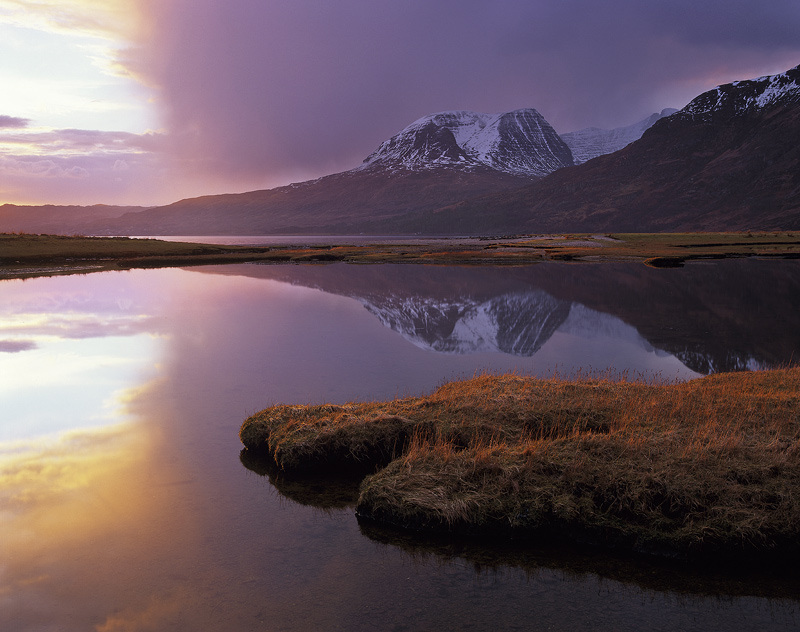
point(75, 345)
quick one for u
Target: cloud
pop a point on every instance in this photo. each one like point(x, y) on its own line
point(98, 18)
point(73, 166)
point(15, 346)
point(255, 90)
point(10, 166)
point(85, 141)
point(13, 122)
point(72, 326)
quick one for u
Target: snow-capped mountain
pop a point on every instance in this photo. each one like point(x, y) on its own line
point(742, 98)
point(591, 142)
point(520, 143)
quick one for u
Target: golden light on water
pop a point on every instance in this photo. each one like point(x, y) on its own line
point(88, 515)
point(56, 492)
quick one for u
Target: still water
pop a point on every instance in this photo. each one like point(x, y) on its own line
point(125, 503)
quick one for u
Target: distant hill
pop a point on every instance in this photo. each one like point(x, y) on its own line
point(63, 220)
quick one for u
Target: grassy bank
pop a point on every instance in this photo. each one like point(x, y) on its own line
point(23, 255)
point(705, 467)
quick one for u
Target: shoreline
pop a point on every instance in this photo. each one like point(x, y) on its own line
point(703, 469)
point(25, 256)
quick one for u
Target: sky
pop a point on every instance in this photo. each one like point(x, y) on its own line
point(144, 102)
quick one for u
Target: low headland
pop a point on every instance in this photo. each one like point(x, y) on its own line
point(708, 468)
point(26, 255)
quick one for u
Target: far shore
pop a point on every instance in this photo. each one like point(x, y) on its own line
point(706, 469)
point(26, 255)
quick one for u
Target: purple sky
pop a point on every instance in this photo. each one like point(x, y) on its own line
point(304, 88)
point(256, 93)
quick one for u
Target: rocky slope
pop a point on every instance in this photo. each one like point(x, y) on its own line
point(337, 204)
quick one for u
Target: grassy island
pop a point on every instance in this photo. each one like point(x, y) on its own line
point(706, 467)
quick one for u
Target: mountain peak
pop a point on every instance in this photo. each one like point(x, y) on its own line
point(520, 143)
point(739, 97)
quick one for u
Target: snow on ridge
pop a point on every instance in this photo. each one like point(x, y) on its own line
point(748, 95)
point(463, 123)
point(776, 88)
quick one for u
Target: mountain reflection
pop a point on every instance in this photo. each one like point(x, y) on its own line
point(517, 324)
point(721, 316)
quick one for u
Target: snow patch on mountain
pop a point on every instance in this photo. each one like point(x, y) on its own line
point(740, 97)
point(520, 143)
point(591, 142)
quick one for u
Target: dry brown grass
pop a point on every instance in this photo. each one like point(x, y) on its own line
point(709, 465)
point(23, 255)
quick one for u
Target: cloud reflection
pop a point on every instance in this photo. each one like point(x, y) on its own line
point(79, 515)
point(86, 341)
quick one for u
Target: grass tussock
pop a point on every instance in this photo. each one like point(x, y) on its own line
point(709, 465)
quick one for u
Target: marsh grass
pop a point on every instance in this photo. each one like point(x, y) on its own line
point(705, 466)
point(25, 255)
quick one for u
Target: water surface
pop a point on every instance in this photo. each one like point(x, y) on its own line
point(125, 505)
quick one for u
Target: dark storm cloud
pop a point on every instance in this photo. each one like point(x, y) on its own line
point(256, 89)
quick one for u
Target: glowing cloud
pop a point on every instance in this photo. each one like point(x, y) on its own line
point(110, 19)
